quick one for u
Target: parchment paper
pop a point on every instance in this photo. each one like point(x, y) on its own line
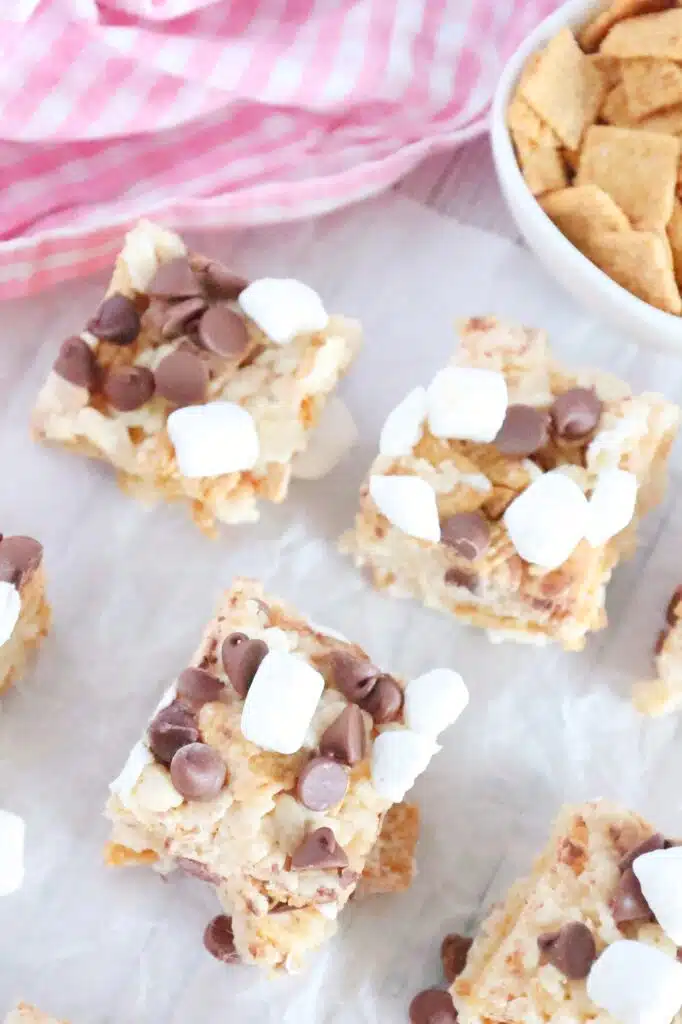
point(133, 586)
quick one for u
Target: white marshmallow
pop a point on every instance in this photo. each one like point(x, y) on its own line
point(330, 441)
point(213, 439)
point(660, 875)
point(10, 609)
point(138, 759)
point(434, 701)
point(611, 506)
point(404, 424)
point(283, 308)
point(398, 757)
point(467, 403)
point(409, 503)
point(547, 520)
point(12, 836)
point(281, 702)
point(155, 792)
point(636, 983)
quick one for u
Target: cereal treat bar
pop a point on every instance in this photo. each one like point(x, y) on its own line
point(269, 770)
point(193, 383)
point(590, 936)
point(507, 490)
point(25, 1014)
point(664, 693)
point(24, 610)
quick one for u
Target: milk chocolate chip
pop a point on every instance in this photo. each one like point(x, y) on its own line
point(384, 701)
point(76, 363)
point(219, 940)
point(199, 686)
point(182, 377)
point(318, 851)
point(198, 771)
point(172, 728)
point(19, 557)
point(524, 431)
point(432, 1006)
point(468, 533)
point(322, 784)
point(223, 331)
point(174, 280)
point(453, 953)
point(576, 413)
point(354, 677)
point(128, 387)
point(571, 950)
point(345, 739)
point(117, 320)
point(241, 658)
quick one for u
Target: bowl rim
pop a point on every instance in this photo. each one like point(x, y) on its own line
point(571, 13)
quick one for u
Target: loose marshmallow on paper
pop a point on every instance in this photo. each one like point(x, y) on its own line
point(409, 503)
point(636, 983)
point(329, 442)
point(434, 701)
point(283, 308)
point(399, 756)
point(548, 520)
point(404, 425)
point(467, 403)
point(660, 875)
point(213, 439)
point(12, 837)
point(611, 505)
point(281, 702)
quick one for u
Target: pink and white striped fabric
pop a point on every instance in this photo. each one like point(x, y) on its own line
point(212, 113)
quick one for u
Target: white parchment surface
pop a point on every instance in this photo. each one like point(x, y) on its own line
point(133, 586)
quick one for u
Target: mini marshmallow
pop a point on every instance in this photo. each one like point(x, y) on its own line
point(636, 983)
point(155, 792)
point(404, 424)
point(398, 757)
point(434, 701)
point(12, 835)
point(213, 439)
point(281, 702)
point(467, 403)
point(10, 609)
point(611, 506)
point(660, 875)
point(409, 503)
point(283, 308)
point(330, 441)
point(124, 784)
point(548, 520)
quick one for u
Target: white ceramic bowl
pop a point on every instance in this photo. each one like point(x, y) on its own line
point(567, 264)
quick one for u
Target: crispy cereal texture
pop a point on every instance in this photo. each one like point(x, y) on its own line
point(565, 89)
point(525, 124)
point(663, 694)
point(652, 35)
point(542, 167)
point(594, 32)
point(391, 865)
point(651, 85)
point(639, 261)
point(675, 238)
point(583, 211)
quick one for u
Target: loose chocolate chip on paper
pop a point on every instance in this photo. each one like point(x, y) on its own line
point(322, 784)
point(432, 1006)
point(657, 841)
point(318, 851)
point(346, 739)
point(241, 658)
point(128, 387)
point(576, 413)
point(117, 320)
point(571, 950)
point(457, 577)
point(219, 940)
point(182, 377)
point(198, 772)
point(467, 532)
point(671, 617)
point(172, 728)
point(354, 677)
point(223, 331)
point(385, 700)
point(453, 953)
point(199, 686)
point(627, 902)
point(76, 363)
point(19, 557)
point(180, 317)
point(524, 431)
point(174, 280)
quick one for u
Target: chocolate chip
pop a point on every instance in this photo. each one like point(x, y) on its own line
point(182, 377)
point(576, 413)
point(654, 842)
point(223, 331)
point(179, 317)
point(670, 615)
point(199, 686)
point(354, 677)
point(76, 363)
point(318, 851)
point(467, 532)
point(523, 432)
point(198, 772)
point(174, 280)
point(220, 282)
point(348, 878)
point(661, 639)
point(384, 701)
point(170, 730)
point(346, 739)
point(198, 870)
point(627, 902)
point(19, 557)
point(117, 320)
point(219, 940)
point(322, 784)
point(453, 953)
point(129, 387)
point(241, 658)
point(571, 950)
point(432, 1006)
point(457, 577)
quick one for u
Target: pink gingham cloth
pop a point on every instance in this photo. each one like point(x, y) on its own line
point(218, 113)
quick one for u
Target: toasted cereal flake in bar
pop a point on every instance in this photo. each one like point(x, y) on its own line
point(576, 423)
point(283, 837)
point(25, 614)
point(137, 388)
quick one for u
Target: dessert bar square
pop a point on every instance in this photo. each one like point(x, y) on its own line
point(590, 935)
point(24, 611)
point(193, 383)
point(664, 693)
point(270, 769)
point(507, 490)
